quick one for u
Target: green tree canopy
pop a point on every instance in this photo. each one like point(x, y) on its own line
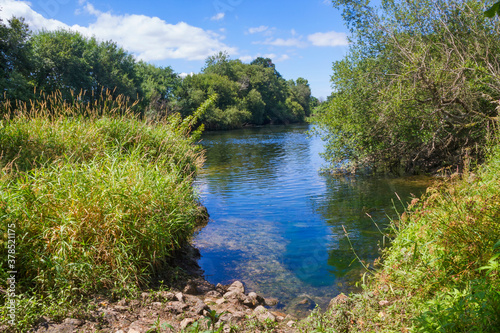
point(417, 90)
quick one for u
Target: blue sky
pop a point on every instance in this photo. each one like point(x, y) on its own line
point(302, 37)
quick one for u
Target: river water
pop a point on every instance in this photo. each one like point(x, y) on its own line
point(276, 223)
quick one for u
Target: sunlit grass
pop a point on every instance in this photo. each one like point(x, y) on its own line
point(100, 197)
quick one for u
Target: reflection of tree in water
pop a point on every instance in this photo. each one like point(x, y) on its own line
point(346, 202)
point(254, 155)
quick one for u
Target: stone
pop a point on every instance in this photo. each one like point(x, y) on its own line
point(252, 300)
point(176, 307)
point(190, 288)
point(138, 326)
point(237, 287)
point(199, 307)
point(186, 322)
point(180, 297)
point(213, 294)
point(72, 321)
point(280, 316)
point(290, 323)
point(263, 315)
point(270, 301)
point(340, 299)
point(220, 301)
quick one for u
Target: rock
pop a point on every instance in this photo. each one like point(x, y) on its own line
point(186, 322)
point(302, 304)
point(190, 288)
point(199, 307)
point(72, 321)
point(235, 291)
point(291, 323)
point(270, 301)
point(144, 296)
point(252, 300)
point(156, 304)
point(138, 326)
point(213, 294)
point(220, 301)
point(176, 307)
point(339, 300)
point(180, 297)
point(237, 287)
point(133, 330)
point(220, 288)
point(280, 316)
point(263, 315)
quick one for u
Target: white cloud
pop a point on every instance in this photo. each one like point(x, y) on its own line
point(218, 17)
point(290, 42)
point(184, 75)
point(36, 21)
point(246, 58)
point(149, 38)
point(255, 30)
point(330, 38)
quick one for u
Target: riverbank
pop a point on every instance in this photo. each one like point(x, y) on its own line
point(94, 201)
point(442, 270)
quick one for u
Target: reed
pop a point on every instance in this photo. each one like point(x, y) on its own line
point(99, 197)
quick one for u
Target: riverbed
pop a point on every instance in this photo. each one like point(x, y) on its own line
point(277, 223)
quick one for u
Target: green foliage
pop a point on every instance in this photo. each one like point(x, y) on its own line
point(418, 89)
point(15, 60)
point(67, 62)
point(247, 94)
point(494, 10)
point(99, 198)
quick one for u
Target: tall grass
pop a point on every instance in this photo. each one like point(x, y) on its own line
point(100, 197)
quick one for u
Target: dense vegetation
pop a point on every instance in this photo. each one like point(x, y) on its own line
point(70, 63)
point(98, 199)
point(419, 89)
point(442, 271)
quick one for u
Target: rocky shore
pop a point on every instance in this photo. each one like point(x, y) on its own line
point(193, 305)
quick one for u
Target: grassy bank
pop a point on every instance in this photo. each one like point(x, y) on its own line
point(442, 271)
point(97, 200)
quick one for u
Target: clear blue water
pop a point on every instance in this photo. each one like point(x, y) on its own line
point(276, 223)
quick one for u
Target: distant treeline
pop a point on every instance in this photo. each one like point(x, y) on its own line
point(70, 63)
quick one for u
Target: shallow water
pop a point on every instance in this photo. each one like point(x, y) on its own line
point(276, 223)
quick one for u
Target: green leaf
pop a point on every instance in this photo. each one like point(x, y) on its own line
point(495, 9)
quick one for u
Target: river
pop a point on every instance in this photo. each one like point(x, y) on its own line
point(276, 223)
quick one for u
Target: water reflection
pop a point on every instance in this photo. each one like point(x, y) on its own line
point(276, 223)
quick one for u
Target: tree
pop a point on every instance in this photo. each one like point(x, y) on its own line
point(415, 91)
point(495, 9)
point(15, 60)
